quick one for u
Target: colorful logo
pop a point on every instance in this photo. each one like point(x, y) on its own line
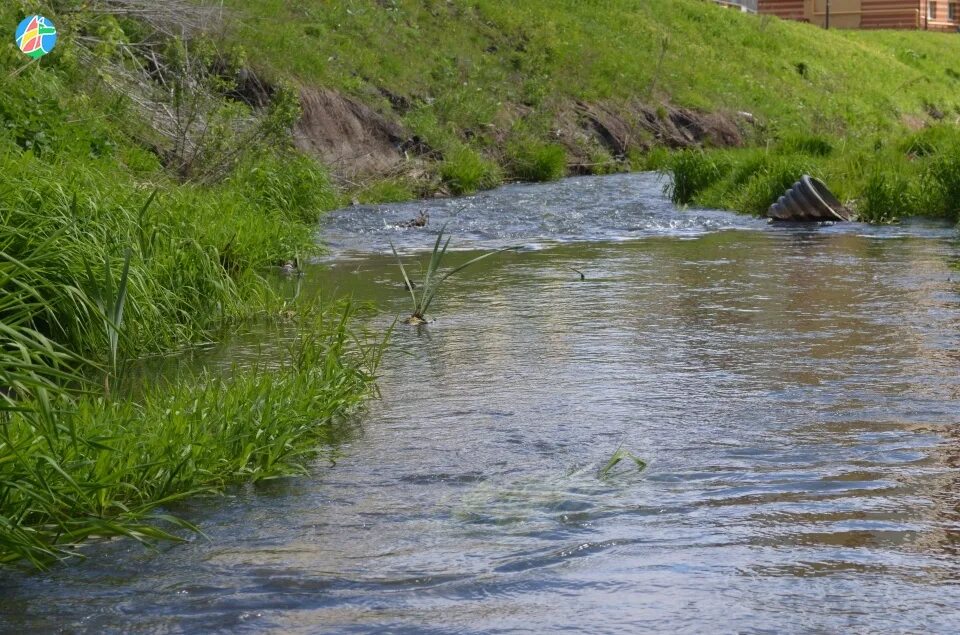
point(36, 36)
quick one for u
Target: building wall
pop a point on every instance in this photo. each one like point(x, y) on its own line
point(868, 14)
point(891, 14)
point(939, 18)
point(786, 9)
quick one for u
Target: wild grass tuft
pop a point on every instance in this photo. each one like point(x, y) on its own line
point(428, 289)
point(692, 172)
point(465, 171)
point(533, 161)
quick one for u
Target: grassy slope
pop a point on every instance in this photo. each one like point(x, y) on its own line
point(473, 60)
point(493, 75)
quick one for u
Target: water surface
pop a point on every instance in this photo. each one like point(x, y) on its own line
point(794, 390)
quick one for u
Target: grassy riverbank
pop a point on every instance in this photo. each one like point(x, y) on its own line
point(141, 220)
point(495, 88)
point(95, 466)
point(912, 174)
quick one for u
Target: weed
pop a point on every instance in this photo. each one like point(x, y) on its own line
point(620, 455)
point(465, 171)
point(692, 172)
point(434, 279)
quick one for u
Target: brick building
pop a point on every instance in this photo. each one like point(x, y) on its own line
point(932, 15)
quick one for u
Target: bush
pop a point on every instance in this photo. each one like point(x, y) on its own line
point(465, 171)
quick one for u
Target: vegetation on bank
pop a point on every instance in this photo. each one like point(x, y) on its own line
point(916, 174)
point(495, 88)
point(74, 468)
point(142, 208)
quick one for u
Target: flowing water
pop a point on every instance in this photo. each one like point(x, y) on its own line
point(795, 391)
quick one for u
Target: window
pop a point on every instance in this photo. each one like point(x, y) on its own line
point(931, 10)
point(952, 11)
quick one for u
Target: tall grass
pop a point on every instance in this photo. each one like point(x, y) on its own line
point(534, 161)
point(107, 467)
point(106, 257)
point(917, 174)
point(692, 172)
point(465, 171)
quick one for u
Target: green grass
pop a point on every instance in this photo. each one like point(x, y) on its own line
point(464, 171)
point(915, 175)
point(480, 57)
point(108, 253)
point(71, 469)
point(475, 72)
point(532, 161)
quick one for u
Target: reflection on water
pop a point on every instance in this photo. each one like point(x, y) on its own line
point(794, 391)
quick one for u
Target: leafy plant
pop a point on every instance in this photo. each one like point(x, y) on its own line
point(433, 279)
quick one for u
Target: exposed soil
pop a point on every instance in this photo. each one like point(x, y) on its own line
point(642, 127)
point(348, 136)
point(355, 140)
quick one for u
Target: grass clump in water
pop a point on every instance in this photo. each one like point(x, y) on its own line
point(693, 171)
point(433, 279)
point(619, 456)
point(533, 161)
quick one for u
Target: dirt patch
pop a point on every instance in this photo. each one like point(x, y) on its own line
point(347, 136)
point(618, 129)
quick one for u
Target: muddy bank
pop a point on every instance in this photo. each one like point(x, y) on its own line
point(360, 143)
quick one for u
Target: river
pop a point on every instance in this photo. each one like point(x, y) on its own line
point(794, 390)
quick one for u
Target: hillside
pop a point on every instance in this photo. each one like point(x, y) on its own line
point(600, 80)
